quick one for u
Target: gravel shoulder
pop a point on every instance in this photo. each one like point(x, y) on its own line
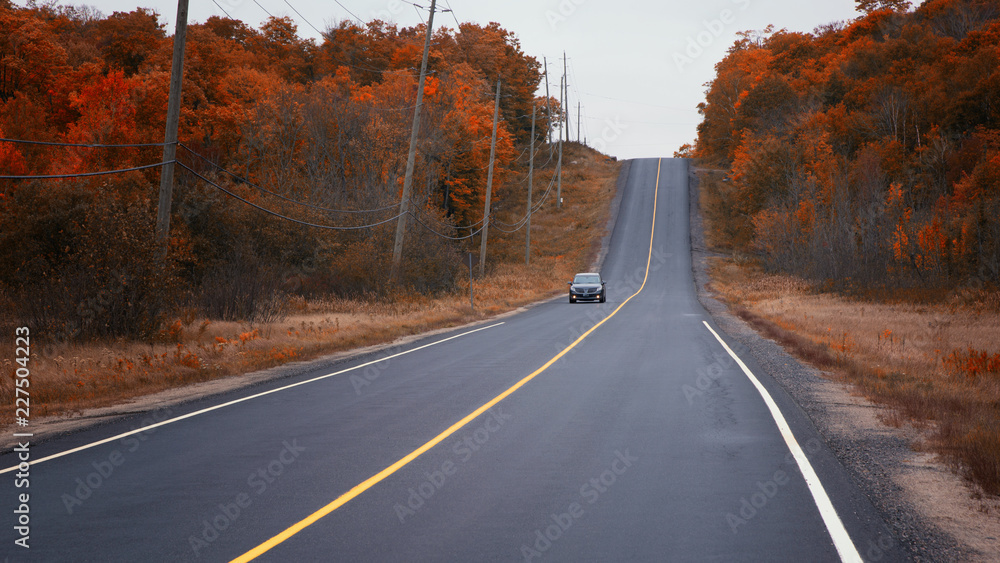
point(933, 513)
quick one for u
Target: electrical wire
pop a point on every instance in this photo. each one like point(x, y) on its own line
point(86, 174)
point(288, 199)
point(523, 220)
point(361, 21)
point(458, 26)
point(223, 9)
point(285, 217)
point(309, 23)
point(263, 8)
point(328, 227)
point(456, 227)
point(83, 145)
point(424, 225)
point(503, 230)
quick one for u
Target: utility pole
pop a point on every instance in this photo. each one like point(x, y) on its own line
point(566, 96)
point(404, 200)
point(578, 121)
point(559, 164)
point(489, 186)
point(531, 177)
point(173, 119)
point(548, 110)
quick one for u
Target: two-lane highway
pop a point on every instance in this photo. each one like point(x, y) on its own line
point(625, 431)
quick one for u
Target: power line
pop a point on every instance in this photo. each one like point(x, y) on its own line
point(523, 220)
point(263, 8)
point(85, 174)
point(82, 145)
point(288, 199)
point(285, 217)
point(328, 227)
point(223, 9)
point(456, 227)
point(303, 18)
point(361, 21)
point(424, 225)
point(458, 26)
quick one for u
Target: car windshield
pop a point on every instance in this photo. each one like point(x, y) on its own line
point(581, 278)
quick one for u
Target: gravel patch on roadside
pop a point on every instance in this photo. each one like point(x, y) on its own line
point(931, 511)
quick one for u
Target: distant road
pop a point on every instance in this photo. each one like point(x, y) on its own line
point(531, 439)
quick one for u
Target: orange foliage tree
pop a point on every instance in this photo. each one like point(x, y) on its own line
point(305, 128)
point(867, 152)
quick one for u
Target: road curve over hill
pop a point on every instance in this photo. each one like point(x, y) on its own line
point(624, 431)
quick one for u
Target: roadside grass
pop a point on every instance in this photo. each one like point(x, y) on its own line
point(934, 358)
point(67, 378)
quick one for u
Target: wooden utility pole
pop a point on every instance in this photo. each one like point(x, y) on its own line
point(489, 186)
point(173, 119)
point(548, 110)
point(404, 200)
point(566, 96)
point(559, 163)
point(531, 177)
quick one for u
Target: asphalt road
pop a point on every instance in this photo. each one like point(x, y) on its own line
point(646, 441)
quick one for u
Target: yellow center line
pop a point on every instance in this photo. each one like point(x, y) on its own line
point(371, 481)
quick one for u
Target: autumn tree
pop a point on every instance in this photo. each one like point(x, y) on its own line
point(127, 39)
point(30, 58)
point(866, 7)
point(870, 144)
point(305, 131)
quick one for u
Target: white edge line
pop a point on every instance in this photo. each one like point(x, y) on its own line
point(230, 403)
point(841, 539)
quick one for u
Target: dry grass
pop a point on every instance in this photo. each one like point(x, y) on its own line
point(937, 364)
point(67, 378)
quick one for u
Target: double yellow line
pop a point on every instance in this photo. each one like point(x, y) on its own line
point(371, 481)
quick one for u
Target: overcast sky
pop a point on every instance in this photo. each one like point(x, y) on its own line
point(638, 67)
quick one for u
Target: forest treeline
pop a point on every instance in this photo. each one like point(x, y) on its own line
point(314, 130)
point(866, 153)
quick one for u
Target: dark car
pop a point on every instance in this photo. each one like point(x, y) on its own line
point(587, 287)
